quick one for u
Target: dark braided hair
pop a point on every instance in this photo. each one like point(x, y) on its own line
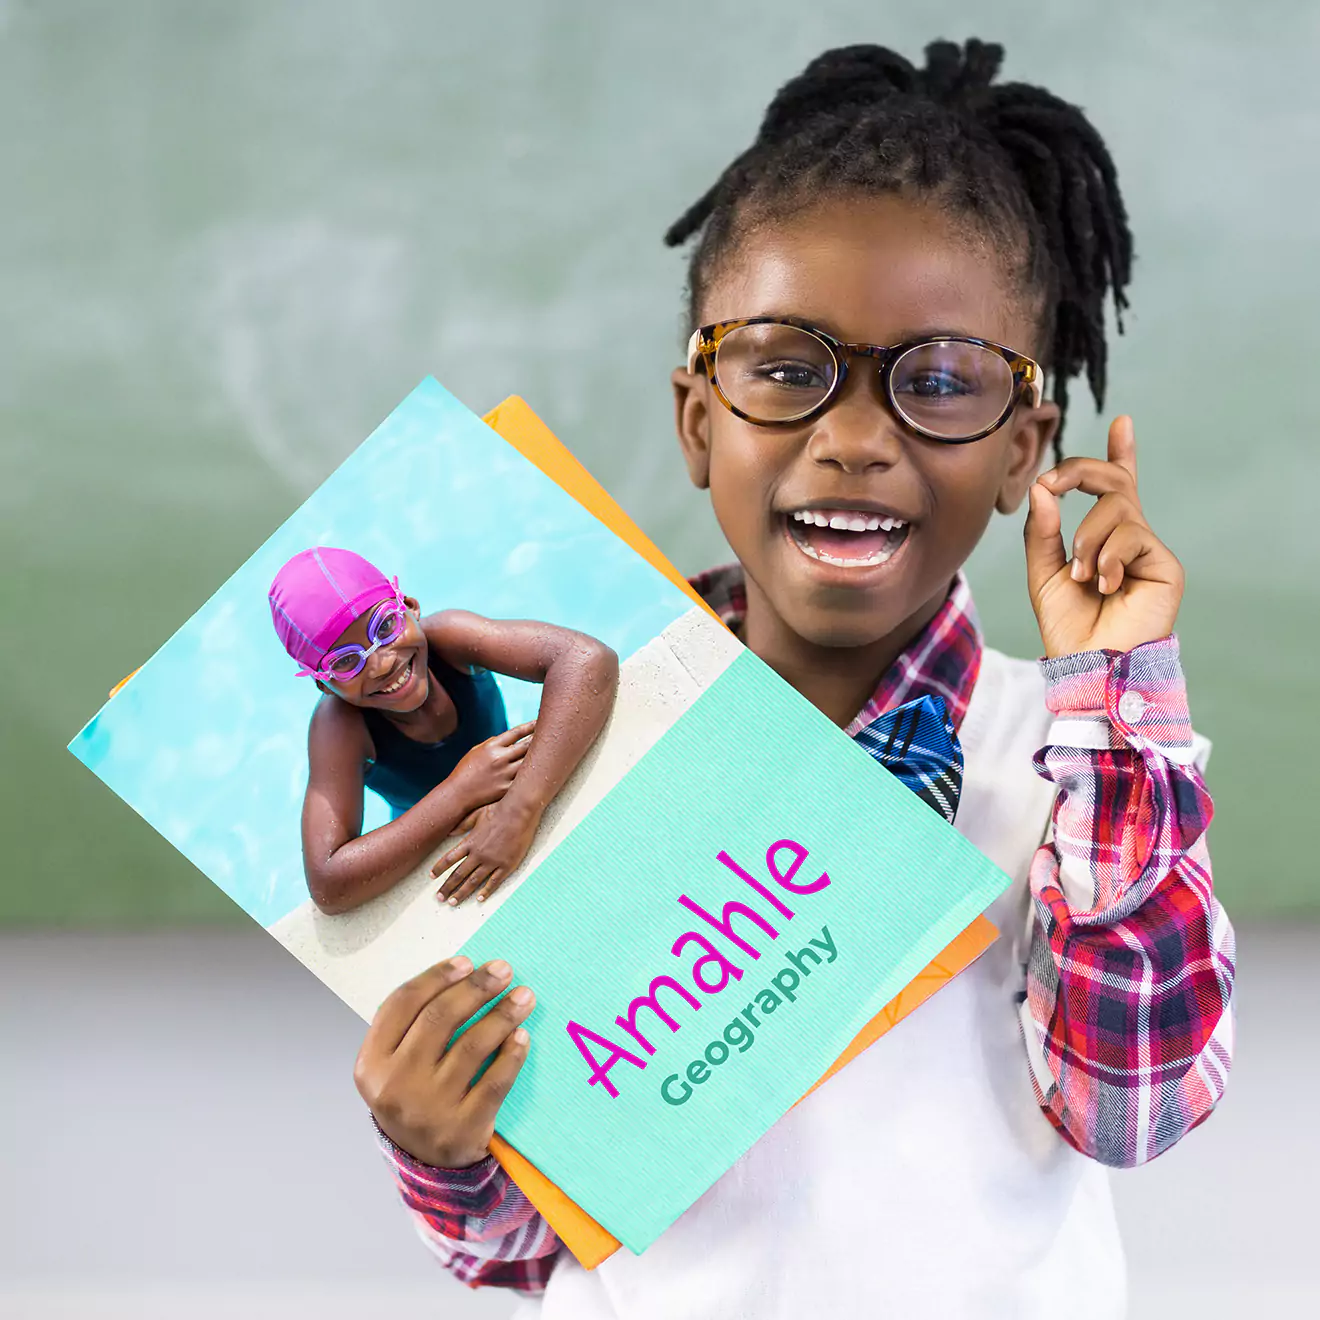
point(1026, 167)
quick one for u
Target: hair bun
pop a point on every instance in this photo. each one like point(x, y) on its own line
point(953, 71)
point(843, 77)
point(850, 76)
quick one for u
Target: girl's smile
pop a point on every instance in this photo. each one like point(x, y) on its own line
point(854, 537)
point(396, 686)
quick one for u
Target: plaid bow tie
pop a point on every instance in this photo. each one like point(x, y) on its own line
point(917, 743)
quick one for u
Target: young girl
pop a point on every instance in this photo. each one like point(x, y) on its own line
point(412, 711)
point(879, 283)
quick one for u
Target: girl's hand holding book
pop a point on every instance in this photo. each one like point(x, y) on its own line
point(418, 1082)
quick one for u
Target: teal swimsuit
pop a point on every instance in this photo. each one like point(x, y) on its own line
point(404, 770)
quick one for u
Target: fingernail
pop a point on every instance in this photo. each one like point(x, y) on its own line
point(481, 898)
point(1104, 583)
point(1076, 570)
point(520, 996)
point(461, 965)
point(521, 1036)
point(500, 969)
point(453, 902)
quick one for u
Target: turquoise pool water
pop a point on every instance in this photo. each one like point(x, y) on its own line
point(208, 742)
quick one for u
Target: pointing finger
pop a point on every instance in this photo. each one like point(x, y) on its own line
point(1123, 445)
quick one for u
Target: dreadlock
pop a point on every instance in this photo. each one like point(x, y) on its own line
point(1016, 160)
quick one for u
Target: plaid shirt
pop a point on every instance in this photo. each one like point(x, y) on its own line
point(1127, 1007)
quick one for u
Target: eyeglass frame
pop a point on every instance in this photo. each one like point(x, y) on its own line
point(705, 341)
point(363, 653)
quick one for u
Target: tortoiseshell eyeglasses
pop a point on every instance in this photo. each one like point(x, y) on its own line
point(775, 372)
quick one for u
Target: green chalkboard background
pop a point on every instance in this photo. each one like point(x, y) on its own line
point(234, 235)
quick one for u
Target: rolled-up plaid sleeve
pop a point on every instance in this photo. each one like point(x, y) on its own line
point(476, 1221)
point(1128, 1014)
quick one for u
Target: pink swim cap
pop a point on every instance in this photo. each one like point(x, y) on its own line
point(317, 594)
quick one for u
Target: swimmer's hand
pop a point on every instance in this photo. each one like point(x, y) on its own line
point(419, 1083)
point(487, 772)
point(493, 849)
point(469, 821)
point(1123, 586)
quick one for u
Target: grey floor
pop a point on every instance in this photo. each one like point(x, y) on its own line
point(181, 1137)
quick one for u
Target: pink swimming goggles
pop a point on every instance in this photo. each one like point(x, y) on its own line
point(318, 594)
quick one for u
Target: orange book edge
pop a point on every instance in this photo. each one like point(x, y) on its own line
point(589, 1242)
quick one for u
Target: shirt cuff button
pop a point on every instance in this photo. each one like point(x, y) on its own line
point(1131, 707)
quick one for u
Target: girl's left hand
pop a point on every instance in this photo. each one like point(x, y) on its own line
point(1124, 585)
point(496, 846)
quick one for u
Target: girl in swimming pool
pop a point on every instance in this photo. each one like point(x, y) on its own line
point(412, 711)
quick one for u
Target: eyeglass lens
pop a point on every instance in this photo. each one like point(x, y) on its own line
point(779, 373)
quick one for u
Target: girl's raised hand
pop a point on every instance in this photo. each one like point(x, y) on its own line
point(1123, 585)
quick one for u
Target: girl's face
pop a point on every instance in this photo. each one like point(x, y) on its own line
point(395, 678)
point(877, 271)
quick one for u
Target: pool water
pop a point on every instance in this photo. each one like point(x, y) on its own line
point(208, 741)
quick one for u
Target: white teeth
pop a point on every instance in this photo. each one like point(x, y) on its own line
point(398, 682)
point(847, 522)
point(853, 522)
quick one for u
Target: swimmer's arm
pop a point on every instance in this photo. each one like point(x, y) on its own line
point(579, 674)
point(344, 867)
